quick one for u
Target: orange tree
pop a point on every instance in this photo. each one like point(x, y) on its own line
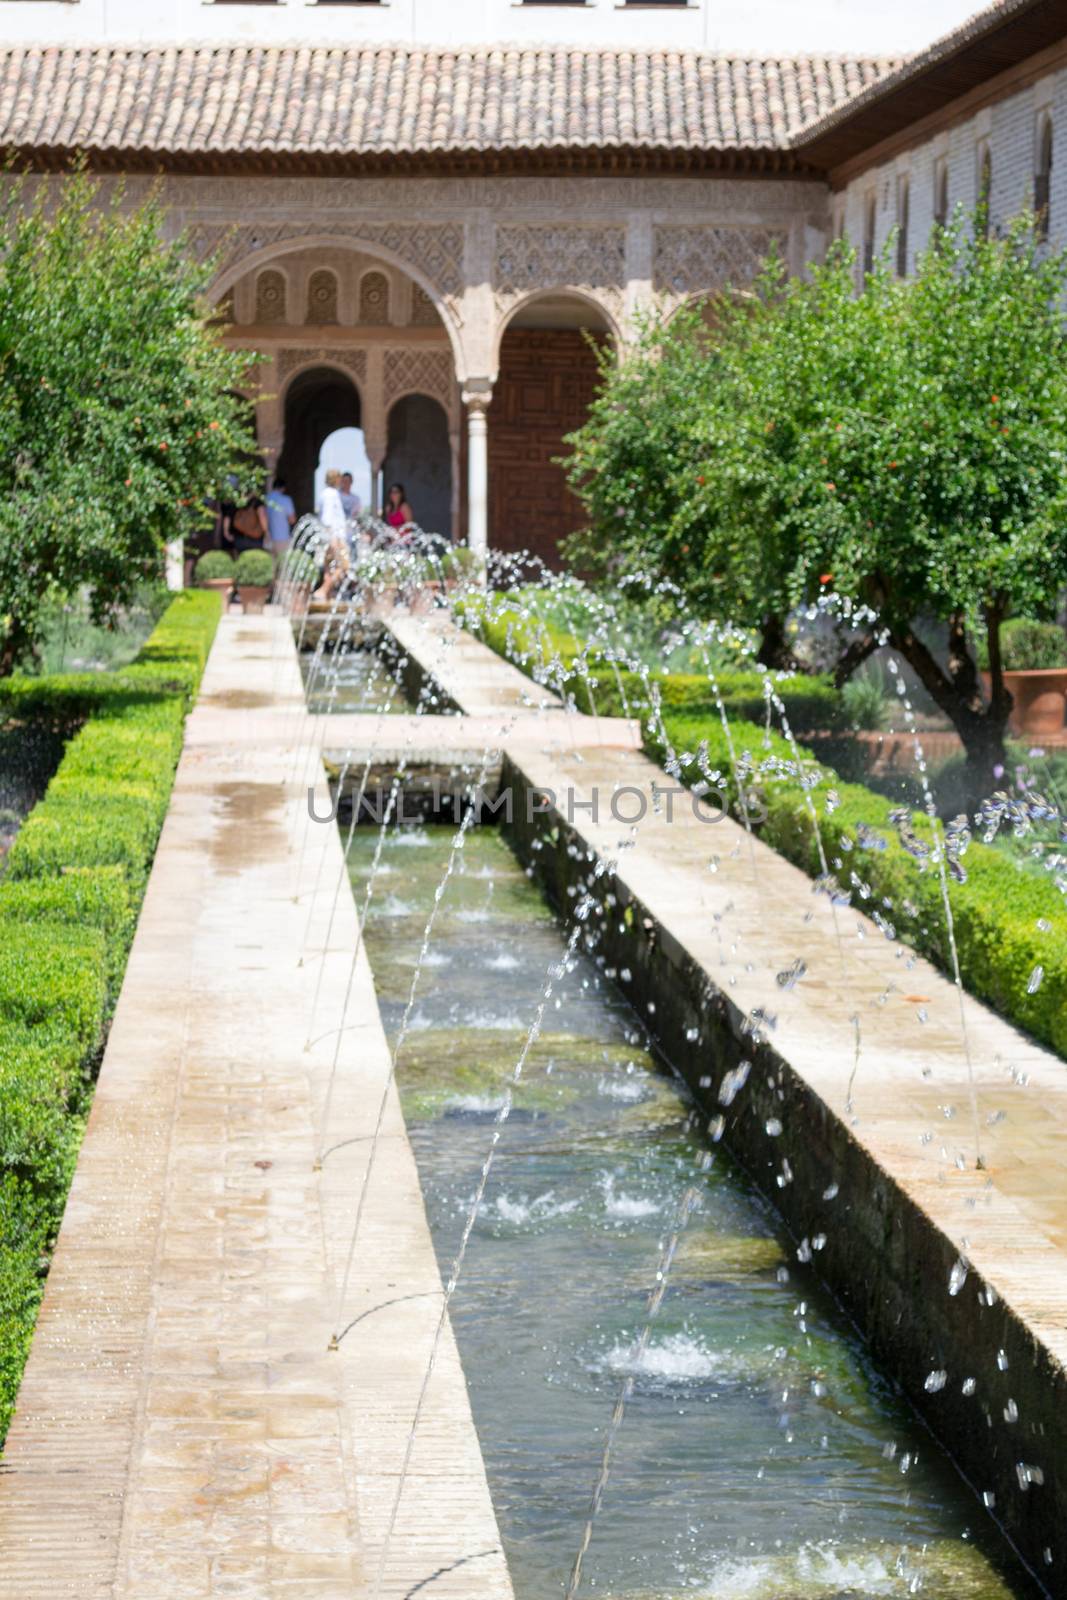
point(117, 405)
point(906, 446)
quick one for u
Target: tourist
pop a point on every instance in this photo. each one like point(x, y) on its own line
point(336, 558)
point(331, 507)
point(349, 499)
point(248, 526)
point(281, 518)
point(398, 514)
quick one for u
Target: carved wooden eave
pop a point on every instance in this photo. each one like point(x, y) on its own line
point(993, 54)
point(593, 161)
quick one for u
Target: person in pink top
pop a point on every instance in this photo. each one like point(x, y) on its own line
point(398, 514)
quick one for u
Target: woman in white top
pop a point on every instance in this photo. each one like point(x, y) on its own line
point(332, 511)
point(332, 517)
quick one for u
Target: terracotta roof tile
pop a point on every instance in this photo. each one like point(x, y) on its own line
point(237, 99)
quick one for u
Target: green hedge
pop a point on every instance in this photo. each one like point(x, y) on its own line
point(553, 656)
point(995, 912)
point(68, 907)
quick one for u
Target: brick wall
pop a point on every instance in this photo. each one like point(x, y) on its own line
point(547, 380)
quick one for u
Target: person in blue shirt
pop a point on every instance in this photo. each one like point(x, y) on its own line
point(281, 515)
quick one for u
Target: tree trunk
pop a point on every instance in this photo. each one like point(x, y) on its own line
point(775, 650)
point(958, 694)
point(859, 651)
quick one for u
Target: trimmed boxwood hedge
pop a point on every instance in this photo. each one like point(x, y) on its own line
point(69, 899)
point(995, 912)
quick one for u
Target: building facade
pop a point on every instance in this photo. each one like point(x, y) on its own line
point(429, 242)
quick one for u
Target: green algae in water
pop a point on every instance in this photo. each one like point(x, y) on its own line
point(947, 1570)
point(762, 1457)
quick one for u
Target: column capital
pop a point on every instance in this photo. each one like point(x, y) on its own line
point(477, 394)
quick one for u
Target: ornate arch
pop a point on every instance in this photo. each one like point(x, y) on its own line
point(419, 371)
point(350, 364)
point(430, 256)
point(556, 292)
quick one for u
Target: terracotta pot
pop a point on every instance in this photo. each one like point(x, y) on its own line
point(1040, 698)
point(254, 595)
point(220, 585)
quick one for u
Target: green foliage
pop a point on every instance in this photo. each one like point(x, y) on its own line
point(80, 897)
point(68, 906)
point(996, 912)
point(118, 402)
point(865, 700)
point(637, 462)
point(461, 562)
point(1027, 646)
point(255, 569)
point(906, 446)
point(214, 564)
point(71, 641)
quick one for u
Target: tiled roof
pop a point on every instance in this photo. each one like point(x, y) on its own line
point(225, 100)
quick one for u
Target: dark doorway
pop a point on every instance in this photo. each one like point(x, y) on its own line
point(420, 457)
point(318, 402)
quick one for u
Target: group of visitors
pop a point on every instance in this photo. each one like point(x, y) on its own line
point(340, 506)
point(337, 510)
point(258, 524)
point(267, 524)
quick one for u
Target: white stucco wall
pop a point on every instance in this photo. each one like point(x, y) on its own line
point(761, 27)
point(1011, 128)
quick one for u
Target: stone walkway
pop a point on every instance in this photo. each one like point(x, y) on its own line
point(183, 1430)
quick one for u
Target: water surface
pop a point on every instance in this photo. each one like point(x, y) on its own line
point(352, 680)
point(761, 1455)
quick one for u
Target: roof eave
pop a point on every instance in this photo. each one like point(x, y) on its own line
point(550, 160)
point(990, 44)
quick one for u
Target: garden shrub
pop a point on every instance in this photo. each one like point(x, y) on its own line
point(254, 569)
point(1027, 646)
point(213, 564)
point(80, 897)
point(68, 905)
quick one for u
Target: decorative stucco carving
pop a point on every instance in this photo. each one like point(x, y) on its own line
point(591, 259)
point(423, 310)
point(271, 296)
point(688, 259)
point(434, 249)
point(374, 300)
point(419, 371)
point(289, 361)
point(322, 297)
point(447, 200)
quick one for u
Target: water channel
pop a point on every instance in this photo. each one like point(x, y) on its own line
point(761, 1456)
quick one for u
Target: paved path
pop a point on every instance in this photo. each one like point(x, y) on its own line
point(183, 1430)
